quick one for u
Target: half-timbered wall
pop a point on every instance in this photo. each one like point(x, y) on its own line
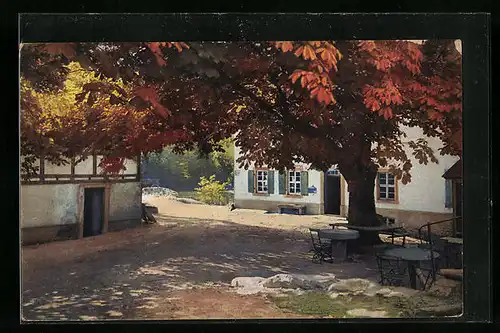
point(87, 170)
point(52, 202)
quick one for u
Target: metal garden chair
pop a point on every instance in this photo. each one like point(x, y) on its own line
point(322, 250)
point(393, 271)
point(432, 242)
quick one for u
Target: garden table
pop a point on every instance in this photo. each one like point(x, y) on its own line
point(412, 255)
point(393, 231)
point(339, 238)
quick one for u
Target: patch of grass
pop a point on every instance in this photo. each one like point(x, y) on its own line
point(322, 305)
point(311, 303)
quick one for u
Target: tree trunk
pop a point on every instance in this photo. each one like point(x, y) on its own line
point(361, 185)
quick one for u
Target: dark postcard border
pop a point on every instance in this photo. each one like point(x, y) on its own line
point(245, 26)
point(472, 29)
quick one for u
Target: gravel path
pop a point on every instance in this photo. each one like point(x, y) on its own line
point(154, 271)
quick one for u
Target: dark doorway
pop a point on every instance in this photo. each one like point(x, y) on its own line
point(332, 194)
point(458, 208)
point(93, 211)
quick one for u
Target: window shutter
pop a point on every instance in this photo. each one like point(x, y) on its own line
point(270, 182)
point(304, 182)
point(448, 196)
point(281, 183)
point(251, 180)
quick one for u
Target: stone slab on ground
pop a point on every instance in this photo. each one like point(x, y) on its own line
point(440, 311)
point(354, 285)
point(281, 283)
point(364, 313)
point(357, 286)
point(300, 281)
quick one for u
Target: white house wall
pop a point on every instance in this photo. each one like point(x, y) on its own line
point(241, 189)
point(57, 204)
point(125, 201)
point(426, 191)
point(420, 201)
point(48, 205)
point(57, 169)
point(84, 167)
point(270, 202)
point(423, 199)
point(130, 166)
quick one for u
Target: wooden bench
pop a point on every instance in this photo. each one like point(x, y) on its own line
point(299, 208)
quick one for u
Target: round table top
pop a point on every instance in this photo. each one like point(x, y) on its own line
point(339, 234)
point(411, 253)
point(453, 240)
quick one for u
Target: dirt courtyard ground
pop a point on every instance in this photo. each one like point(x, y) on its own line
point(180, 268)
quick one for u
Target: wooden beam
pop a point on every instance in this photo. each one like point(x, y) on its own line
point(138, 167)
point(42, 167)
point(79, 181)
point(94, 164)
point(85, 175)
point(72, 168)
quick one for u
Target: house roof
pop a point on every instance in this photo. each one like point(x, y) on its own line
point(455, 172)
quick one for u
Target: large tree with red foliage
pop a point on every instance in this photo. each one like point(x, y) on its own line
point(318, 102)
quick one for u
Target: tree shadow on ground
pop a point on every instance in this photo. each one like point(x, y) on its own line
point(127, 278)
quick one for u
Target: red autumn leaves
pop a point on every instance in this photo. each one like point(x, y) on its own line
point(318, 85)
point(156, 49)
point(380, 99)
point(390, 79)
point(323, 57)
point(150, 94)
point(396, 76)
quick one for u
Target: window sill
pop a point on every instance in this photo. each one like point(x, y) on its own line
point(293, 196)
point(261, 194)
point(393, 202)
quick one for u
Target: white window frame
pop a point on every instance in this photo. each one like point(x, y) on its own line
point(263, 182)
point(294, 179)
point(387, 186)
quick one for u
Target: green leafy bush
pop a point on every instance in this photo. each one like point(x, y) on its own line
point(211, 191)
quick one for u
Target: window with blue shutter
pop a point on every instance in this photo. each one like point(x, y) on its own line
point(270, 182)
point(282, 183)
point(251, 181)
point(304, 180)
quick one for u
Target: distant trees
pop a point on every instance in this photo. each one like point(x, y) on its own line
point(182, 172)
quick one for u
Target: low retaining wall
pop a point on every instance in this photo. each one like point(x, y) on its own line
point(39, 235)
point(412, 220)
point(47, 234)
point(123, 224)
point(272, 206)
